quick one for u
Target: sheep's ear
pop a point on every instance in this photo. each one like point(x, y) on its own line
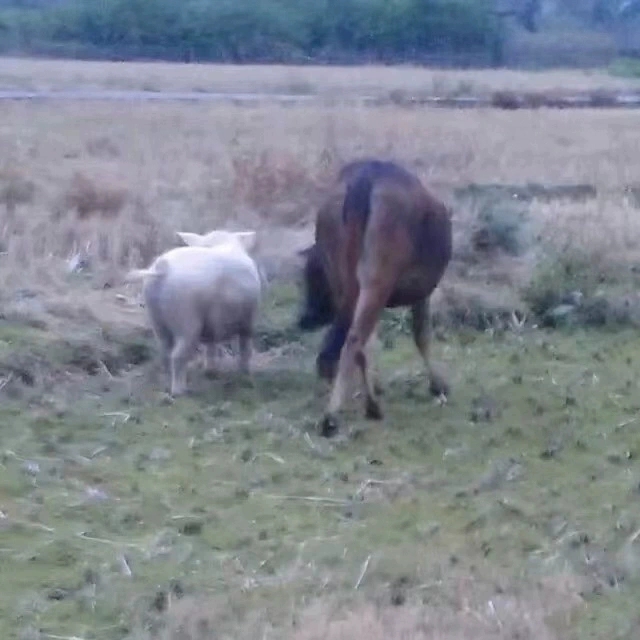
point(215, 238)
point(248, 239)
point(190, 239)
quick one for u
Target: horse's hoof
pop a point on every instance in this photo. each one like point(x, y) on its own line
point(179, 392)
point(326, 370)
point(438, 386)
point(373, 411)
point(167, 399)
point(377, 389)
point(247, 382)
point(329, 426)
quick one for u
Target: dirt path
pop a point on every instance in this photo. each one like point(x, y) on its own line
point(610, 101)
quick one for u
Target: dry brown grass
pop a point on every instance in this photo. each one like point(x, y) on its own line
point(86, 197)
point(15, 190)
point(609, 224)
point(467, 610)
point(335, 81)
point(146, 170)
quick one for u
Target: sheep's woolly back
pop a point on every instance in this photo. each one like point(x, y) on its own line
point(244, 242)
point(198, 268)
point(247, 240)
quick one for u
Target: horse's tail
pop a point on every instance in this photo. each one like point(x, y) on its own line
point(361, 176)
point(356, 206)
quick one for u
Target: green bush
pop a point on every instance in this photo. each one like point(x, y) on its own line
point(560, 274)
point(255, 30)
point(501, 225)
point(625, 67)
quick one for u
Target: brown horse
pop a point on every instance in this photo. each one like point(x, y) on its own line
point(382, 241)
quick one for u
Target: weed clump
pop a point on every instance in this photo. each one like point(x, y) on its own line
point(501, 226)
point(505, 100)
point(136, 352)
point(499, 219)
point(15, 190)
point(557, 276)
point(522, 612)
point(578, 287)
point(610, 311)
point(86, 197)
point(102, 147)
point(476, 308)
point(267, 337)
point(277, 185)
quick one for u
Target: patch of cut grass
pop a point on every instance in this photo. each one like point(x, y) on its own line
point(118, 499)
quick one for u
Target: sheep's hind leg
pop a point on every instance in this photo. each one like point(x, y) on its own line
point(183, 350)
point(164, 340)
point(245, 336)
point(244, 358)
point(210, 357)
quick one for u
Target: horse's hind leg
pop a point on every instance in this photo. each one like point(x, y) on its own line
point(370, 303)
point(421, 329)
point(372, 387)
point(372, 345)
point(363, 327)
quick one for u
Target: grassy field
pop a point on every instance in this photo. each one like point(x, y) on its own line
point(334, 81)
point(511, 511)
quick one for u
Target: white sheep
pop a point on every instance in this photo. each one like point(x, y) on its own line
point(206, 292)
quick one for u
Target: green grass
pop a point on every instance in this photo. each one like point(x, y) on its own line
point(625, 68)
point(113, 498)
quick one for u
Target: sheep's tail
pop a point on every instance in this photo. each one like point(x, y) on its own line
point(156, 270)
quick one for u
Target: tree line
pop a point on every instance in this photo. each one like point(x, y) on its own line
point(254, 30)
